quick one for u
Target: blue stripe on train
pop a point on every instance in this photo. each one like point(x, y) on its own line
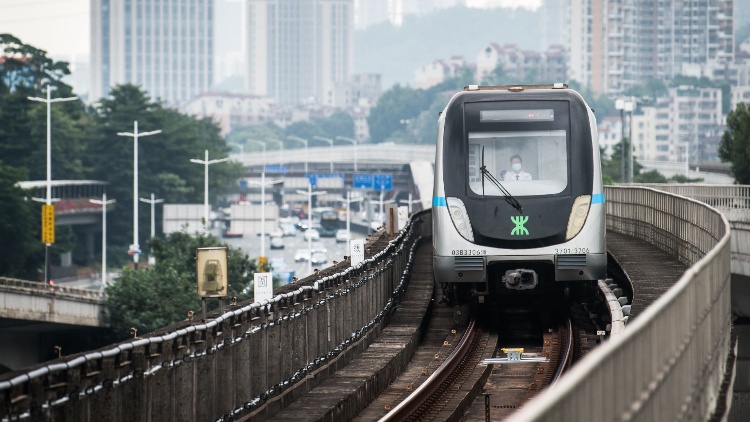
point(438, 201)
point(597, 198)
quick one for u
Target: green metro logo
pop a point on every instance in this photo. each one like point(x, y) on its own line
point(519, 221)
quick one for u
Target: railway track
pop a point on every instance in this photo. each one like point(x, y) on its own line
point(446, 372)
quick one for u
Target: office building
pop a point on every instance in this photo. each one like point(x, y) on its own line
point(298, 50)
point(165, 46)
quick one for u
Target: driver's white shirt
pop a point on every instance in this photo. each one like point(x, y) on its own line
point(511, 176)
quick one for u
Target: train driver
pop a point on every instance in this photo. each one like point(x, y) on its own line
point(516, 173)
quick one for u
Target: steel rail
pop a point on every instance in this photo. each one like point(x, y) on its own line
point(416, 399)
point(567, 356)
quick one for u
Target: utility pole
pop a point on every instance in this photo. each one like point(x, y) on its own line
point(104, 204)
point(309, 193)
point(152, 201)
point(48, 201)
point(304, 141)
point(354, 142)
point(135, 248)
point(206, 162)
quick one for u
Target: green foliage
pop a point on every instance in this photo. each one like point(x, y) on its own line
point(164, 166)
point(396, 107)
point(735, 143)
point(27, 69)
point(20, 228)
point(652, 176)
point(152, 298)
point(681, 178)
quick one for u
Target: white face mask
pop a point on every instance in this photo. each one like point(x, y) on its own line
point(516, 167)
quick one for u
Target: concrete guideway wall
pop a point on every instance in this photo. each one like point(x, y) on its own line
point(231, 364)
point(670, 363)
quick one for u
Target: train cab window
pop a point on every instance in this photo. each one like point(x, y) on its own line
point(527, 163)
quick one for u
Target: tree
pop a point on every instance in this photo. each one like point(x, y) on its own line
point(20, 225)
point(652, 176)
point(152, 298)
point(27, 69)
point(164, 159)
point(396, 107)
point(735, 143)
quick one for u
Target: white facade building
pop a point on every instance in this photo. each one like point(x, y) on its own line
point(438, 71)
point(231, 111)
point(617, 44)
point(679, 126)
point(165, 46)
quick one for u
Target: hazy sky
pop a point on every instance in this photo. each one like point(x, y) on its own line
point(61, 27)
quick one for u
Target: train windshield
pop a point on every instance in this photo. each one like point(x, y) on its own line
point(524, 149)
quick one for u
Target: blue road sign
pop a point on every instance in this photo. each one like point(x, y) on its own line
point(362, 180)
point(383, 182)
point(314, 177)
point(276, 169)
point(372, 181)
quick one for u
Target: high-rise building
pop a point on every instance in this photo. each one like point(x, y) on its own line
point(297, 50)
point(165, 46)
point(555, 23)
point(616, 44)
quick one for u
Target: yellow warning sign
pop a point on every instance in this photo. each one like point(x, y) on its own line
point(48, 224)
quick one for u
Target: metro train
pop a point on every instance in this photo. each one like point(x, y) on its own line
point(518, 203)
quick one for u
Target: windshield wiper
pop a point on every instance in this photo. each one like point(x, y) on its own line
point(506, 195)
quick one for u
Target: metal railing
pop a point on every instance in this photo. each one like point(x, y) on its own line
point(42, 289)
point(229, 365)
point(670, 362)
point(718, 196)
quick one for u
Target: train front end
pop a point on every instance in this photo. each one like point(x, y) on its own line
point(518, 203)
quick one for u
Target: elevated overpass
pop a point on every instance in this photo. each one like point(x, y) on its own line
point(35, 317)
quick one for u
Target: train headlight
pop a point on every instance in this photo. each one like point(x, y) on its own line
point(460, 218)
point(578, 215)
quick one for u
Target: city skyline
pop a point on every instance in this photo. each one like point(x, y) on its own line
point(62, 27)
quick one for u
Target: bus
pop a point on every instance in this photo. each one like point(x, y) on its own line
point(329, 221)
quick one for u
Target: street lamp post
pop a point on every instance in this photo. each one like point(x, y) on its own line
point(630, 106)
point(206, 162)
point(135, 248)
point(152, 201)
point(354, 142)
point(330, 142)
point(304, 141)
point(263, 185)
point(48, 200)
point(620, 105)
point(309, 194)
point(281, 149)
point(104, 204)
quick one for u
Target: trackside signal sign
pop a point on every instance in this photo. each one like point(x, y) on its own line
point(48, 224)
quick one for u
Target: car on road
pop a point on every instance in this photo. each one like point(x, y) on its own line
point(312, 234)
point(301, 255)
point(277, 243)
point(342, 236)
point(319, 258)
point(288, 229)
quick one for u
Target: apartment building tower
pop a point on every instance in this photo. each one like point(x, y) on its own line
point(165, 46)
point(616, 44)
point(298, 50)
